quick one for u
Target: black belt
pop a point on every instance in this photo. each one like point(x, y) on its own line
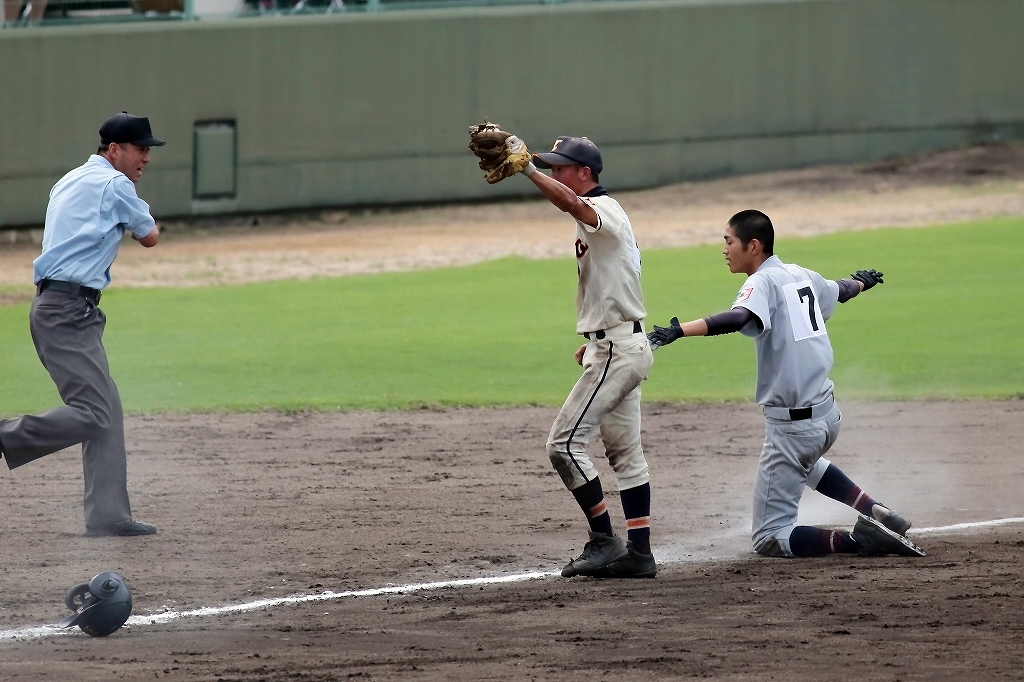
point(69, 288)
point(795, 414)
point(600, 335)
point(798, 413)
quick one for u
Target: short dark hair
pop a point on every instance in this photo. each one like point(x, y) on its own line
point(105, 146)
point(751, 224)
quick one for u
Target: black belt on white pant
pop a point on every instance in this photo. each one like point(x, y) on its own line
point(795, 414)
point(598, 335)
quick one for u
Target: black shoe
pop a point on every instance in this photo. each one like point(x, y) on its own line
point(633, 565)
point(877, 540)
point(598, 553)
point(896, 523)
point(126, 528)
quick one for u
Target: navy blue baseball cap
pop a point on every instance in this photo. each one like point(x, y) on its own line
point(569, 151)
point(124, 127)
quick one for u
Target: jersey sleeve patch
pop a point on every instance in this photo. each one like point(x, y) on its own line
point(754, 297)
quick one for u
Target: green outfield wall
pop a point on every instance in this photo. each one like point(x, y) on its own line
point(373, 108)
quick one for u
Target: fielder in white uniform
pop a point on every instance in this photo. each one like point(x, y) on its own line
point(784, 308)
point(615, 360)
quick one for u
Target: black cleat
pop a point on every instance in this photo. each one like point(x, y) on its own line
point(876, 540)
point(598, 553)
point(896, 523)
point(633, 565)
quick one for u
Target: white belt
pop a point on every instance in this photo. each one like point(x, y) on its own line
point(619, 332)
point(794, 414)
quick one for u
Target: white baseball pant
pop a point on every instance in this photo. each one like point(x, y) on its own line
point(606, 397)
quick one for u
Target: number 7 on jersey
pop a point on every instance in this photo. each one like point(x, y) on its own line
point(804, 313)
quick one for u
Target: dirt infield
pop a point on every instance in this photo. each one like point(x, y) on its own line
point(267, 505)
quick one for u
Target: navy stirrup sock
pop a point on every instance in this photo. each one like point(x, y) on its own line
point(590, 497)
point(636, 506)
point(837, 485)
point(810, 541)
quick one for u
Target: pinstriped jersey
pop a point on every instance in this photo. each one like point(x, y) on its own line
point(608, 262)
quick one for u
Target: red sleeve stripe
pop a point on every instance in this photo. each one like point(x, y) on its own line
point(597, 509)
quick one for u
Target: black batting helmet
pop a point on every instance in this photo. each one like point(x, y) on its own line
point(100, 606)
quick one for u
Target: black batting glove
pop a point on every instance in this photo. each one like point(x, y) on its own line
point(868, 278)
point(662, 336)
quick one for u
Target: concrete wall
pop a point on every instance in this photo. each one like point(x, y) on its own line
point(373, 108)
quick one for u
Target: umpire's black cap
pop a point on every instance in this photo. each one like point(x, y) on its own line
point(124, 127)
point(570, 151)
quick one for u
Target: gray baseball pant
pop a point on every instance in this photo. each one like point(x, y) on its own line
point(791, 451)
point(68, 335)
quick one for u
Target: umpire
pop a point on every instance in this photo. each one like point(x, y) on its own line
point(89, 211)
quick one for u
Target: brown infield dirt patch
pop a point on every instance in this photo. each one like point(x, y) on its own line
point(266, 505)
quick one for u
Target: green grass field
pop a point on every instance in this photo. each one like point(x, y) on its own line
point(947, 323)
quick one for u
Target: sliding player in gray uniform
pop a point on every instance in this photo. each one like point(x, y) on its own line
point(615, 360)
point(784, 307)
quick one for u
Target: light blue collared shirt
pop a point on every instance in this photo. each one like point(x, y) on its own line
point(90, 208)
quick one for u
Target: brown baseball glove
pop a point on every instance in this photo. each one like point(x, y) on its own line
point(501, 154)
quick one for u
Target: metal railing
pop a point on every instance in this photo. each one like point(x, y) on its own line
point(19, 13)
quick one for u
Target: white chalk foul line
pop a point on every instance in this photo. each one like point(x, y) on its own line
point(968, 526)
point(39, 631)
point(35, 632)
point(325, 596)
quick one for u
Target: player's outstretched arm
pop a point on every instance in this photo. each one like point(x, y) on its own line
point(662, 336)
point(723, 323)
point(502, 155)
point(562, 197)
point(862, 280)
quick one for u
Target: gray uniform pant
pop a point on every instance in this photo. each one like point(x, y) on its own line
point(791, 451)
point(606, 398)
point(68, 335)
